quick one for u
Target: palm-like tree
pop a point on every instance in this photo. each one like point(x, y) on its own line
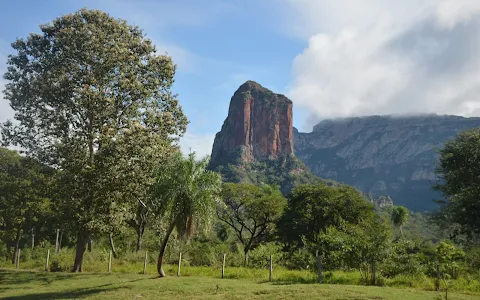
point(184, 193)
point(399, 217)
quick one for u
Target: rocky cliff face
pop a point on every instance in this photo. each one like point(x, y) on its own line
point(382, 155)
point(258, 127)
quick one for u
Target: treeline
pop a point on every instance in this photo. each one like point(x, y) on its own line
point(98, 124)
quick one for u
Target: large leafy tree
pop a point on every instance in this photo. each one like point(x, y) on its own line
point(251, 211)
point(459, 181)
point(88, 93)
point(184, 196)
point(24, 196)
point(313, 208)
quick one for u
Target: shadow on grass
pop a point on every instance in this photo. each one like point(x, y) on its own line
point(14, 277)
point(75, 294)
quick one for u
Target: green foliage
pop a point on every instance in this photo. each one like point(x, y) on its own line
point(459, 171)
point(354, 245)
point(404, 258)
point(449, 258)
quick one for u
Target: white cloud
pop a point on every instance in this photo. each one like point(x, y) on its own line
point(450, 12)
point(201, 144)
point(383, 57)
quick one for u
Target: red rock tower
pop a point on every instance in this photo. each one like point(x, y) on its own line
point(258, 127)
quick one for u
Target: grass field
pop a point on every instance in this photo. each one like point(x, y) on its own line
point(41, 285)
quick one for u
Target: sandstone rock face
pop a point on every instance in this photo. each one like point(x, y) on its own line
point(382, 155)
point(258, 127)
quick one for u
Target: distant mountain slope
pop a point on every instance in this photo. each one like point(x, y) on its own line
point(381, 155)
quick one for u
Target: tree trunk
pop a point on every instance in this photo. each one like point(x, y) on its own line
point(319, 267)
point(9, 248)
point(89, 243)
point(57, 242)
point(140, 229)
point(60, 241)
point(112, 245)
point(33, 239)
point(162, 249)
point(17, 244)
point(82, 240)
point(246, 249)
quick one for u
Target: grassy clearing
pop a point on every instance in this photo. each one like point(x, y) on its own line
point(40, 285)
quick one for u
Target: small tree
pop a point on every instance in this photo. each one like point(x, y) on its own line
point(185, 194)
point(251, 211)
point(399, 217)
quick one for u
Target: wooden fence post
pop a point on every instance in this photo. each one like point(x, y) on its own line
point(179, 263)
point(145, 263)
point(17, 263)
point(46, 263)
point(110, 261)
point(271, 268)
point(223, 265)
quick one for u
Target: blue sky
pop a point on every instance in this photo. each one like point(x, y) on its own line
point(332, 58)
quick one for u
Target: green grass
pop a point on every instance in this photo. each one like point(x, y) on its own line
point(132, 263)
point(41, 285)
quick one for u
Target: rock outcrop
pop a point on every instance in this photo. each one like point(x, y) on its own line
point(258, 127)
point(382, 155)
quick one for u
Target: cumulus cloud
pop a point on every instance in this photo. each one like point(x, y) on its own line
point(201, 144)
point(398, 57)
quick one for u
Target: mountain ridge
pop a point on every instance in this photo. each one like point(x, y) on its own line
point(390, 155)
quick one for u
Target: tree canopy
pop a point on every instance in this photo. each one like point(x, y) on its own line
point(313, 208)
point(459, 173)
